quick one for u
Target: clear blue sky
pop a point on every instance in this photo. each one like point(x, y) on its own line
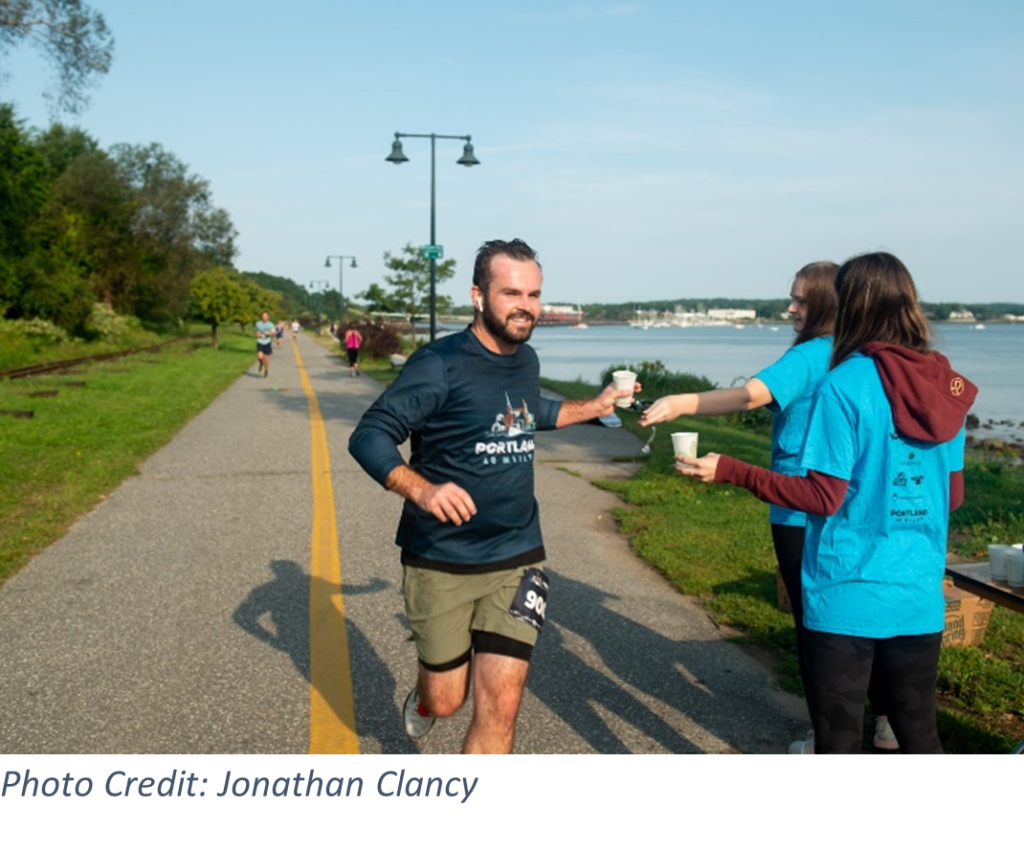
point(647, 150)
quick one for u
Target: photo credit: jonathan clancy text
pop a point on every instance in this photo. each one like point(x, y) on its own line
point(252, 802)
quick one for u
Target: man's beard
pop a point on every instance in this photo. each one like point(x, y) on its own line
point(514, 336)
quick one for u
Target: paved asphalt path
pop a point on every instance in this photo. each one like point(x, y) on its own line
point(174, 618)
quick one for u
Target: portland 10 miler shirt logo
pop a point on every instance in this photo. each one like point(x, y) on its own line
point(510, 438)
point(908, 496)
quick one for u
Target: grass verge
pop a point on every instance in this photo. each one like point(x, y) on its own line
point(714, 543)
point(91, 429)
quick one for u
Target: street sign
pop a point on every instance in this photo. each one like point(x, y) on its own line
point(433, 252)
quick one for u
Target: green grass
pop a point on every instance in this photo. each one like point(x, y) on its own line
point(83, 441)
point(714, 542)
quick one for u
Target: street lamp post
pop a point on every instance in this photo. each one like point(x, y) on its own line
point(341, 287)
point(467, 159)
point(312, 284)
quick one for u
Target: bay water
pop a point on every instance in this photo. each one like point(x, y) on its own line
point(992, 357)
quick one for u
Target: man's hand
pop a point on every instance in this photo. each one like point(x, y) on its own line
point(702, 469)
point(448, 503)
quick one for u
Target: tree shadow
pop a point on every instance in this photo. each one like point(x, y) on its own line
point(277, 613)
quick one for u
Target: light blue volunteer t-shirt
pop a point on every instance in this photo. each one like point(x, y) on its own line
point(265, 331)
point(875, 568)
point(792, 380)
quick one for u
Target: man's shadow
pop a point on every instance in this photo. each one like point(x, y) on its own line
point(277, 613)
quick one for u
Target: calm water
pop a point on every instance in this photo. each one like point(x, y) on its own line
point(991, 358)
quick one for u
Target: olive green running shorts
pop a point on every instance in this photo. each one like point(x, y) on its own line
point(453, 614)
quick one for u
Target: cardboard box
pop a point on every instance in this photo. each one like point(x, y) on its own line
point(967, 617)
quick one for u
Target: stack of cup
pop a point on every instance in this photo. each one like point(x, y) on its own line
point(997, 556)
point(1013, 557)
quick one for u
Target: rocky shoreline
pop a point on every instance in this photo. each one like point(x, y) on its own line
point(1007, 442)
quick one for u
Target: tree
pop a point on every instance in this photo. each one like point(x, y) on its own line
point(410, 283)
point(73, 38)
point(179, 230)
point(222, 295)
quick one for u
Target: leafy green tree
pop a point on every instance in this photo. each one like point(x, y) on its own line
point(179, 230)
point(72, 37)
point(410, 282)
point(221, 295)
point(23, 191)
point(378, 300)
point(89, 215)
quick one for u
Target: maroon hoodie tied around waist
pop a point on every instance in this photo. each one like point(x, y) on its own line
point(929, 399)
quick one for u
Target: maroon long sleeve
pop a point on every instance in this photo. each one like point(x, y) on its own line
point(814, 493)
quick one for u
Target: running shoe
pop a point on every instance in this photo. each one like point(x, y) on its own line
point(885, 738)
point(418, 720)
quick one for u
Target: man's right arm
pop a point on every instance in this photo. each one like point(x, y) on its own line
point(447, 502)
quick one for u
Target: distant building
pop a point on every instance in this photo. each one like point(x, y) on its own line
point(730, 314)
point(961, 316)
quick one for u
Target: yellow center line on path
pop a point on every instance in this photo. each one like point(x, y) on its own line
point(332, 715)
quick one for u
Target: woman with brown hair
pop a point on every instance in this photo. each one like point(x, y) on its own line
point(883, 456)
point(785, 388)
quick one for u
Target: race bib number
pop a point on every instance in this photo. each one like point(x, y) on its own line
point(531, 600)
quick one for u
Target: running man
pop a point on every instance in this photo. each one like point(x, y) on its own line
point(471, 547)
point(264, 343)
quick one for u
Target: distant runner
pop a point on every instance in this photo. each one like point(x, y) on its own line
point(264, 343)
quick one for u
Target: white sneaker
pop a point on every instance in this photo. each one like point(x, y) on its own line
point(418, 720)
point(885, 738)
point(803, 746)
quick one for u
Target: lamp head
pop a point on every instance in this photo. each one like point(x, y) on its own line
point(353, 264)
point(467, 159)
point(397, 154)
point(327, 263)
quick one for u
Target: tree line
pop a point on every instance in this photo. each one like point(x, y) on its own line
point(129, 227)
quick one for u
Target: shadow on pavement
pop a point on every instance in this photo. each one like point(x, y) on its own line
point(277, 613)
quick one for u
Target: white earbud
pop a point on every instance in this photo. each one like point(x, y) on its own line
point(480, 305)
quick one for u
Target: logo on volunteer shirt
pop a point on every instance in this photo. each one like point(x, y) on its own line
point(957, 386)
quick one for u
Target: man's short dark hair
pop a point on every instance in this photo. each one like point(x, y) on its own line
point(516, 249)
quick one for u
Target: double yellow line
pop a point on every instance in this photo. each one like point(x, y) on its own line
point(332, 716)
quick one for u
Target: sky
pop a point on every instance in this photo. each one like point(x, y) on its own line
point(646, 150)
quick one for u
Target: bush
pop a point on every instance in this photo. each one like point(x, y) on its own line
point(111, 328)
point(380, 339)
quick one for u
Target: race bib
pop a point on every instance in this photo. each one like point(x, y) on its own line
point(531, 600)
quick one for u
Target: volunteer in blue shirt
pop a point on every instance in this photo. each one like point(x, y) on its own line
point(471, 546)
point(785, 388)
point(884, 467)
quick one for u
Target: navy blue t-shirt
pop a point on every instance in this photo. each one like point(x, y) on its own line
point(471, 415)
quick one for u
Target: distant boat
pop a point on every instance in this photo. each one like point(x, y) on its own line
point(580, 324)
point(979, 327)
point(775, 327)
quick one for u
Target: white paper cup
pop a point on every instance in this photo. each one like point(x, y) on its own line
point(997, 557)
point(1014, 559)
point(624, 380)
point(684, 443)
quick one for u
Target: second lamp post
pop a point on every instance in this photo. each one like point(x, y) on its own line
point(341, 287)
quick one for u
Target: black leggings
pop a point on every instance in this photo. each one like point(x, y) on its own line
point(789, 550)
point(839, 668)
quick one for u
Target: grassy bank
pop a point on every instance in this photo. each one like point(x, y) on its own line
point(91, 429)
point(714, 543)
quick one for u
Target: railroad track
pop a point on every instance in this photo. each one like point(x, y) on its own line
point(62, 365)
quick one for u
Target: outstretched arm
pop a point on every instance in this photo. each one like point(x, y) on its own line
point(581, 411)
point(727, 400)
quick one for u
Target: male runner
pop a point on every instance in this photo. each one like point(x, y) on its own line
point(264, 343)
point(472, 553)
